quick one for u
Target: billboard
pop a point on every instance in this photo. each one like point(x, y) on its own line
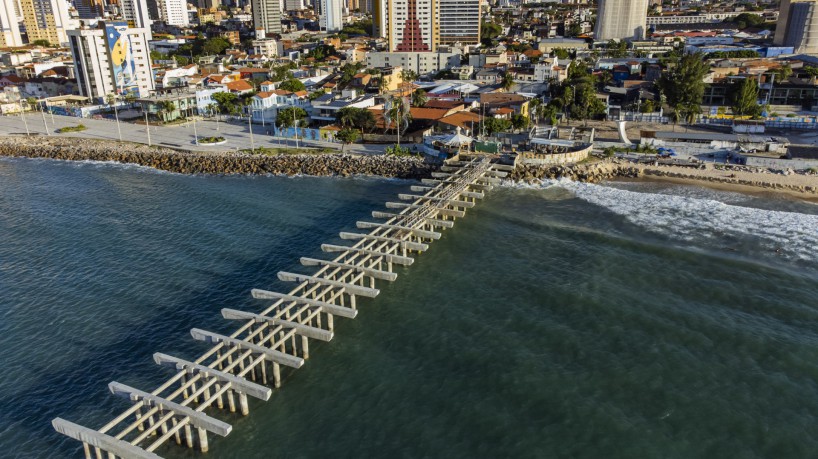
point(121, 57)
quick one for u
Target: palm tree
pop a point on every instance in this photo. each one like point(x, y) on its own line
point(168, 107)
point(419, 98)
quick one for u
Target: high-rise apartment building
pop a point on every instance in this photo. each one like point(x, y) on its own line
point(173, 12)
point(798, 26)
point(45, 20)
point(621, 20)
point(89, 9)
point(294, 5)
point(459, 21)
point(332, 15)
point(409, 25)
point(135, 12)
point(423, 25)
point(111, 59)
point(10, 24)
point(267, 16)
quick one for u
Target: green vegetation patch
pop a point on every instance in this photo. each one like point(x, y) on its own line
point(77, 128)
point(216, 139)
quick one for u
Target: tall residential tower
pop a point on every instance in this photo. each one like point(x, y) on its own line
point(798, 26)
point(10, 24)
point(423, 25)
point(621, 20)
point(267, 16)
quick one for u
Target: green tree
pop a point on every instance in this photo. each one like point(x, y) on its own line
point(316, 94)
point(617, 49)
point(292, 85)
point(489, 30)
point(211, 46)
point(745, 98)
point(519, 122)
point(647, 106)
point(227, 101)
point(287, 117)
point(346, 136)
point(744, 20)
point(561, 53)
point(683, 86)
point(782, 73)
point(507, 82)
point(419, 98)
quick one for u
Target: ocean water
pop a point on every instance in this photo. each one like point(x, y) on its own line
point(559, 320)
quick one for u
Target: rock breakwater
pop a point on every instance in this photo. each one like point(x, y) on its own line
point(182, 162)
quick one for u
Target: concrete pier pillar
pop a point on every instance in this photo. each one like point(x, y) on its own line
point(188, 436)
point(219, 399)
point(177, 435)
point(305, 347)
point(98, 452)
point(245, 409)
point(87, 450)
point(202, 440)
point(276, 375)
point(264, 372)
point(231, 402)
point(329, 322)
point(184, 391)
point(352, 301)
point(151, 422)
point(141, 426)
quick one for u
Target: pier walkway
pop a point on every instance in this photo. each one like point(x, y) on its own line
point(276, 340)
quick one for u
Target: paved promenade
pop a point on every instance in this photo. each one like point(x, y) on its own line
point(177, 136)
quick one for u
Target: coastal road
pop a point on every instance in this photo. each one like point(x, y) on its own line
point(178, 136)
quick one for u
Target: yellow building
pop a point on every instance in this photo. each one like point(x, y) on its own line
point(45, 20)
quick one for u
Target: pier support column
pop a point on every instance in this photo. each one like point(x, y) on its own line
point(188, 436)
point(219, 399)
point(87, 450)
point(245, 409)
point(305, 347)
point(202, 440)
point(230, 401)
point(329, 322)
point(276, 375)
point(177, 436)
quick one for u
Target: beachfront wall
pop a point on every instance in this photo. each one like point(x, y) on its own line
point(539, 159)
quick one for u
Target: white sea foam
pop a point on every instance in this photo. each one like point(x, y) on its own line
point(690, 218)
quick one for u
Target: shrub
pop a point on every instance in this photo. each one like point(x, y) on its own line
point(77, 128)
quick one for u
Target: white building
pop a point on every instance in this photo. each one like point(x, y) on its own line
point(267, 16)
point(136, 13)
point(173, 12)
point(266, 104)
point(621, 20)
point(111, 58)
point(10, 24)
point(205, 101)
point(294, 5)
point(420, 63)
point(269, 47)
point(332, 15)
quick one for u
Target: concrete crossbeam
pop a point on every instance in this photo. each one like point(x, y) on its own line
point(99, 440)
point(416, 246)
point(236, 382)
point(301, 329)
point(350, 289)
point(417, 232)
point(387, 257)
point(451, 202)
point(197, 418)
point(326, 307)
point(371, 272)
point(446, 212)
point(502, 167)
point(271, 355)
point(431, 221)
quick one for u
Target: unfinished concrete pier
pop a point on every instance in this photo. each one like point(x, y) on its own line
point(267, 344)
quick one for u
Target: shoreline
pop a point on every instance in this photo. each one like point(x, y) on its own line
point(798, 185)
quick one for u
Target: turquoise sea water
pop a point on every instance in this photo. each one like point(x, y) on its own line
point(564, 320)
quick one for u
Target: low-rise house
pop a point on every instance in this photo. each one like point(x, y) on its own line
point(265, 105)
point(325, 107)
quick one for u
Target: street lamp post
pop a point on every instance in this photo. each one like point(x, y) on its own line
point(147, 127)
point(116, 116)
point(195, 135)
point(250, 126)
point(44, 123)
point(22, 115)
